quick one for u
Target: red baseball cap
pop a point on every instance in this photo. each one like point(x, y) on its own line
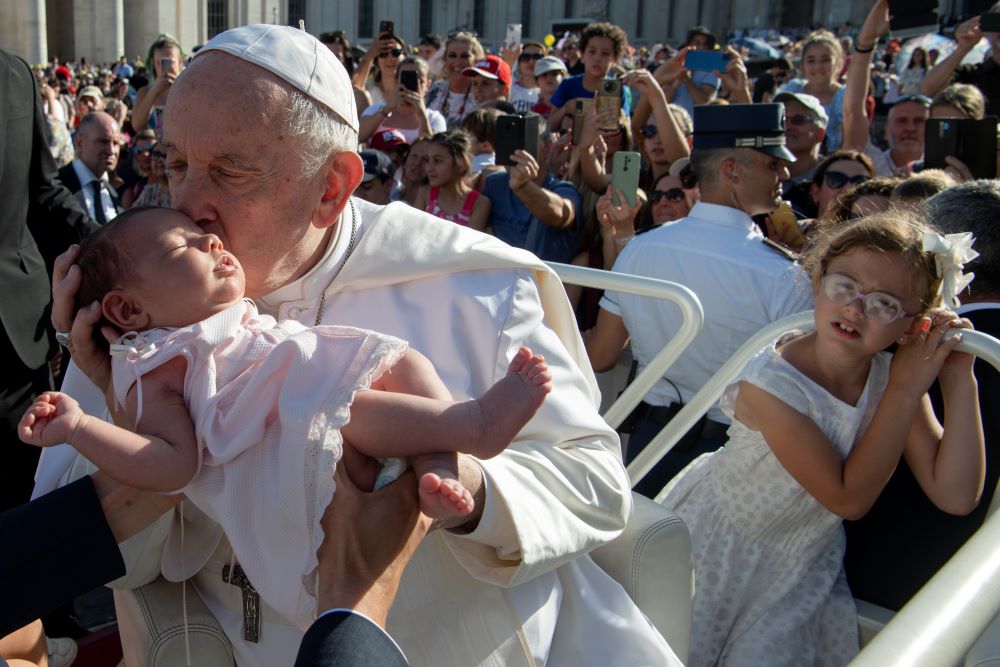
point(387, 139)
point(492, 67)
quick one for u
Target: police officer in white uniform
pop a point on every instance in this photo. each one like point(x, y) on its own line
point(740, 158)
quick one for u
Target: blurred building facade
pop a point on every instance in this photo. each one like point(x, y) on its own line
point(102, 30)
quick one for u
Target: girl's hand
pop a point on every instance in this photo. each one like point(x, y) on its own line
point(876, 24)
point(922, 353)
point(957, 367)
point(51, 420)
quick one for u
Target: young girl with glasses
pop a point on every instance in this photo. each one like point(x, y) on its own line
point(820, 420)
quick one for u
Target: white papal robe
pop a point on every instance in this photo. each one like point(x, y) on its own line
point(518, 590)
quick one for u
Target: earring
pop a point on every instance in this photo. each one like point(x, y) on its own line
point(901, 340)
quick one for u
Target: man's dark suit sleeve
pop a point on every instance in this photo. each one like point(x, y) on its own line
point(343, 639)
point(53, 549)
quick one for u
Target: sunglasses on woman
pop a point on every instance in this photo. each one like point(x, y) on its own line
point(879, 307)
point(838, 179)
point(395, 53)
point(648, 131)
point(673, 195)
point(524, 57)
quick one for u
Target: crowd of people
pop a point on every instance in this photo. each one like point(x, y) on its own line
point(416, 192)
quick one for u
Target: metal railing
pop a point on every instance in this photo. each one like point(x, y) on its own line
point(944, 619)
point(693, 317)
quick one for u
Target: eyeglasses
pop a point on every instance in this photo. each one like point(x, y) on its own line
point(142, 150)
point(648, 131)
point(922, 100)
point(395, 53)
point(879, 307)
point(838, 179)
point(675, 195)
point(524, 57)
point(799, 119)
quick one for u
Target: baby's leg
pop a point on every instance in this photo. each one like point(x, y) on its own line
point(386, 423)
point(508, 405)
point(441, 494)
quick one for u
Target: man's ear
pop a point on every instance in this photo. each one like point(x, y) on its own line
point(123, 311)
point(341, 175)
point(820, 134)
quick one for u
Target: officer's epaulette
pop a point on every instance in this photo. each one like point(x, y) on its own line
point(787, 253)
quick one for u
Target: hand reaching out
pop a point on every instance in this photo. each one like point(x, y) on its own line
point(51, 420)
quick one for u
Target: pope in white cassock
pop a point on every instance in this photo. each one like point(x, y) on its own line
point(260, 132)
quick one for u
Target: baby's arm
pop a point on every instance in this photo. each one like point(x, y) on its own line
point(950, 466)
point(162, 458)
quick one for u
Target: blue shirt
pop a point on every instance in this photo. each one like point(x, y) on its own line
point(682, 97)
point(572, 88)
point(514, 224)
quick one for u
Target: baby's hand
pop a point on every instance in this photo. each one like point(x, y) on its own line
point(51, 420)
point(923, 351)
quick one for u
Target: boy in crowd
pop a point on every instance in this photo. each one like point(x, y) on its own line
point(602, 44)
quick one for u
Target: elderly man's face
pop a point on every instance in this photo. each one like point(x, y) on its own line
point(905, 128)
point(236, 171)
point(98, 143)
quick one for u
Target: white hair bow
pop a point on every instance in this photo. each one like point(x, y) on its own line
point(951, 252)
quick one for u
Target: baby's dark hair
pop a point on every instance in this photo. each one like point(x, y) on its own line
point(104, 260)
point(892, 231)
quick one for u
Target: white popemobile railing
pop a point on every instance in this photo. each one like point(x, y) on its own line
point(947, 616)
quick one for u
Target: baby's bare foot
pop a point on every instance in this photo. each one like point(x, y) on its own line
point(511, 402)
point(443, 497)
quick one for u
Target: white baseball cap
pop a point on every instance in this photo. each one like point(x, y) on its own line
point(810, 102)
point(549, 64)
point(295, 56)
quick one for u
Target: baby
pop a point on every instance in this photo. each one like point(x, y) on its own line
point(247, 415)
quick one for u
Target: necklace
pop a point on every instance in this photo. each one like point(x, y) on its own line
point(347, 256)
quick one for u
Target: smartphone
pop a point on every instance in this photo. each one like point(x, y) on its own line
point(709, 61)
point(387, 27)
point(911, 18)
point(158, 122)
point(989, 22)
point(609, 98)
point(513, 37)
point(971, 140)
point(516, 132)
point(166, 64)
point(625, 176)
point(582, 106)
point(408, 79)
